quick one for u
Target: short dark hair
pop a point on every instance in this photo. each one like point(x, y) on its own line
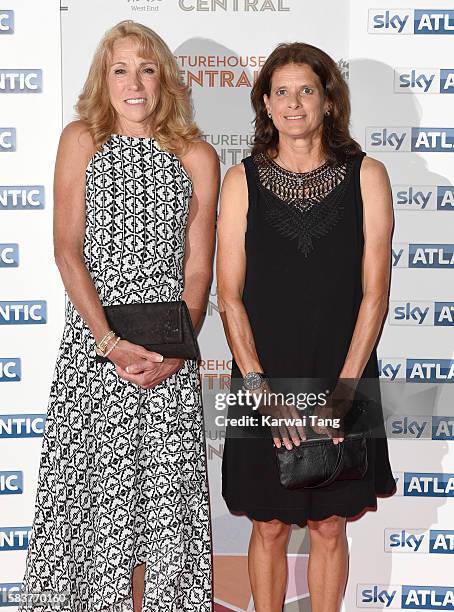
point(336, 139)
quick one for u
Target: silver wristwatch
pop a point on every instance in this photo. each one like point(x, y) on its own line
point(254, 380)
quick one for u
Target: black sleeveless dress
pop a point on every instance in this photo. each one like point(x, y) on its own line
point(302, 295)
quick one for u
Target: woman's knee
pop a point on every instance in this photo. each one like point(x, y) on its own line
point(328, 532)
point(271, 533)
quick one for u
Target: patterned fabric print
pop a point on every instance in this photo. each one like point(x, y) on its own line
point(302, 219)
point(301, 189)
point(122, 477)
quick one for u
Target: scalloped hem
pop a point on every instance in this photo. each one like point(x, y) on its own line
point(298, 516)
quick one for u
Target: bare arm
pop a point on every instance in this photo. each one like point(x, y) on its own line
point(202, 165)
point(231, 269)
point(74, 152)
point(377, 224)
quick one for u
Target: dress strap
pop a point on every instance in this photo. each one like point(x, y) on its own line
point(357, 161)
point(253, 190)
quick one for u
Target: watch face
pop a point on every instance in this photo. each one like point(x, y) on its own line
point(253, 380)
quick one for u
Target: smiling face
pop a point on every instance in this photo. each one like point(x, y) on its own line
point(133, 86)
point(296, 102)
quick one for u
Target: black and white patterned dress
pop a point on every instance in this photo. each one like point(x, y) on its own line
point(122, 478)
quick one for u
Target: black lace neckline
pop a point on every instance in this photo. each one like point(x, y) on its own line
point(300, 189)
point(302, 206)
point(299, 175)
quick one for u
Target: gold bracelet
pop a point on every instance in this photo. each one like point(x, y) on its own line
point(113, 346)
point(104, 341)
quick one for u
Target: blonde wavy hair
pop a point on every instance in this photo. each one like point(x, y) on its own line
point(173, 125)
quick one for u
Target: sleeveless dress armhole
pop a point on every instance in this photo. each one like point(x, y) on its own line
point(252, 187)
point(359, 199)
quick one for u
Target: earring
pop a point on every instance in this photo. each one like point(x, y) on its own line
point(270, 115)
point(327, 113)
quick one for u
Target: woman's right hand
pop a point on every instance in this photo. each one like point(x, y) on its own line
point(288, 431)
point(127, 353)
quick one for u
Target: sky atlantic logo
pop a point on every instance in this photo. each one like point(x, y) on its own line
point(424, 80)
point(391, 368)
point(22, 425)
point(416, 370)
point(411, 427)
point(23, 312)
point(423, 197)
point(438, 314)
point(14, 538)
point(405, 596)
point(21, 80)
point(11, 482)
point(431, 541)
point(410, 139)
point(432, 139)
point(429, 370)
point(10, 369)
point(7, 139)
point(411, 21)
point(236, 6)
point(417, 427)
point(6, 22)
point(426, 484)
point(422, 255)
point(388, 139)
point(9, 255)
point(22, 197)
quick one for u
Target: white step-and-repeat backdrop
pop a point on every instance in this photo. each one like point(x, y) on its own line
point(397, 59)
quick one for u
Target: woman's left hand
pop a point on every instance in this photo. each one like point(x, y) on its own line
point(149, 378)
point(337, 407)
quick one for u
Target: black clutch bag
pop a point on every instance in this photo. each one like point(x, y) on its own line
point(317, 461)
point(163, 327)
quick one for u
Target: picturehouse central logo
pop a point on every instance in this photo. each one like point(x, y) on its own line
point(235, 6)
point(230, 71)
point(231, 149)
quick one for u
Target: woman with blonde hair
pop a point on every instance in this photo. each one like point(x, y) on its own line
point(122, 509)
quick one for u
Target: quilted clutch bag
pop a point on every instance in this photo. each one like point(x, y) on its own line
point(163, 327)
point(317, 461)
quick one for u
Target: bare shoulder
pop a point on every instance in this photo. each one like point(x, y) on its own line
point(376, 194)
point(234, 192)
point(76, 141)
point(372, 171)
point(235, 177)
point(200, 155)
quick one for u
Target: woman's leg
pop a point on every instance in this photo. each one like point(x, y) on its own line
point(328, 563)
point(267, 564)
point(138, 584)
